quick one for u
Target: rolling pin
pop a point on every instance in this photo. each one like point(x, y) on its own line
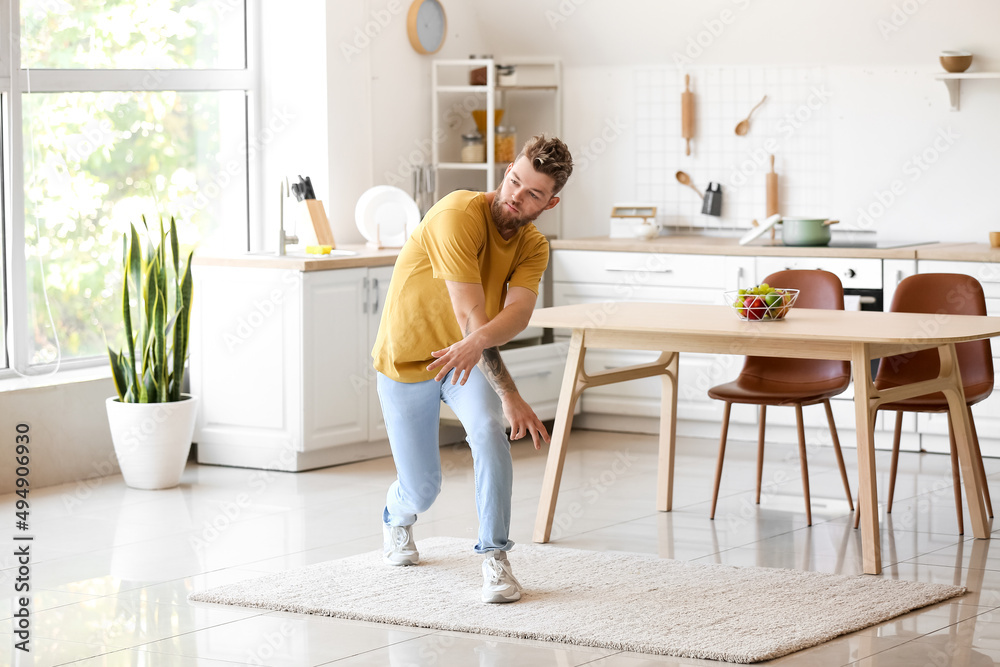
point(687, 114)
point(772, 193)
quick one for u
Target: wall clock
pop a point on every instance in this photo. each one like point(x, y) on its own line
point(426, 26)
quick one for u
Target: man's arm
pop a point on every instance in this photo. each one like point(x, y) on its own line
point(479, 332)
point(479, 346)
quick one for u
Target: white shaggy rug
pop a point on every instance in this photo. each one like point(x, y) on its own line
point(612, 600)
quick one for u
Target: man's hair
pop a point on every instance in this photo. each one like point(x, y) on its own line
point(550, 157)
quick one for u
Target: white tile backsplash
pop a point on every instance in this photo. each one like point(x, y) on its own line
point(793, 123)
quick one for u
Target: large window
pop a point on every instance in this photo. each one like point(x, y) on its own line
point(118, 110)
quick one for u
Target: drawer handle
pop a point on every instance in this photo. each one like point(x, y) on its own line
point(631, 268)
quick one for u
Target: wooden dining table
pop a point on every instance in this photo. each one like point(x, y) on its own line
point(854, 336)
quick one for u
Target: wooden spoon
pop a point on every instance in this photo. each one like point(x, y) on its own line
point(830, 222)
point(684, 179)
point(743, 126)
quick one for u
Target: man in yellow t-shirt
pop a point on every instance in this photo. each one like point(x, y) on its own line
point(464, 283)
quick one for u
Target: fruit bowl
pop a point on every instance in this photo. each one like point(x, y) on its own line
point(761, 303)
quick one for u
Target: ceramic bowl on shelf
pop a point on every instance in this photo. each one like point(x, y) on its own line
point(955, 61)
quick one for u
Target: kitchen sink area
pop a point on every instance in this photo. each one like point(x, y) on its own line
point(301, 254)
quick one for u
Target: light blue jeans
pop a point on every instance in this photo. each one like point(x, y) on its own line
point(412, 411)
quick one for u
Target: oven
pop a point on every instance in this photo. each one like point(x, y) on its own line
point(861, 277)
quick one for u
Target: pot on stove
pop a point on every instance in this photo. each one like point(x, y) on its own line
point(806, 231)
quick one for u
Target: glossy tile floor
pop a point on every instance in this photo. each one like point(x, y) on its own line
point(112, 566)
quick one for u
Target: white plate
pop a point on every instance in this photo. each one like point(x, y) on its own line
point(758, 231)
point(386, 215)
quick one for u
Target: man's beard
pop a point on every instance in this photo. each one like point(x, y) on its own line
point(504, 219)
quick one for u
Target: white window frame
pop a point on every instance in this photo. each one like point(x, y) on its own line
point(14, 82)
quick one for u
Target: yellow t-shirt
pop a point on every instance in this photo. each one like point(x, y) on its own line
point(457, 241)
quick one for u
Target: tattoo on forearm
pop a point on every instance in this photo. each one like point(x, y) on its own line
point(495, 371)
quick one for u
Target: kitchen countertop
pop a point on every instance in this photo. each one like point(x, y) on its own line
point(696, 244)
point(961, 252)
point(691, 244)
point(299, 261)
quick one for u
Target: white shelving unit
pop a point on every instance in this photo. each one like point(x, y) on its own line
point(954, 84)
point(533, 106)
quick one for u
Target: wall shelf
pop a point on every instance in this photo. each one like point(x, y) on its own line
point(532, 104)
point(953, 82)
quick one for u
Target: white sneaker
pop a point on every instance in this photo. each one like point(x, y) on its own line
point(398, 547)
point(499, 584)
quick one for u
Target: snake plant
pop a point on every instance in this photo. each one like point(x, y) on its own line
point(150, 368)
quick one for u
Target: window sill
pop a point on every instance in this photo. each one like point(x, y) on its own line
point(10, 381)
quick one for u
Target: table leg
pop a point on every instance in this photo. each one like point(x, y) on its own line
point(568, 394)
point(864, 408)
point(955, 394)
point(668, 434)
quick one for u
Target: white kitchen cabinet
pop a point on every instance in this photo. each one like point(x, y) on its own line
point(281, 360)
point(933, 428)
point(531, 105)
point(583, 276)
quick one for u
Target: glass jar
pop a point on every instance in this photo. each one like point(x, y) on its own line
point(473, 148)
point(506, 144)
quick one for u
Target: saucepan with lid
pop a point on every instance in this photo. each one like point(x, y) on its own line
point(806, 231)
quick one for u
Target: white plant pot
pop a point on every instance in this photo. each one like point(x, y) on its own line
point(152, 440)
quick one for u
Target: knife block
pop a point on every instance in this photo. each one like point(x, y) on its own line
point(314, 210)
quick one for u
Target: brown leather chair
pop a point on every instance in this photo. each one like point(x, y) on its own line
point(768, 381)
point(954, 294)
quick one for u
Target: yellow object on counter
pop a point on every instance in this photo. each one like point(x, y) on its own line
point(318, 249)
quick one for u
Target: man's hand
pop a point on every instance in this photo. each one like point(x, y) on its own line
point(461, 356)
point(523, 420)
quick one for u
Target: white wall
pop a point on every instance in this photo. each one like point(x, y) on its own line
point(68, 433)
point(379, 99)
point(879, 56)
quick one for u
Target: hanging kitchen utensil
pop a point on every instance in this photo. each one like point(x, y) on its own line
point(772, 193)
point(743, 126)
point(712, 201)
point(687, 114)
point(684, 179)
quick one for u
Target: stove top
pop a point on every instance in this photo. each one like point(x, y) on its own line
point(873, 243)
